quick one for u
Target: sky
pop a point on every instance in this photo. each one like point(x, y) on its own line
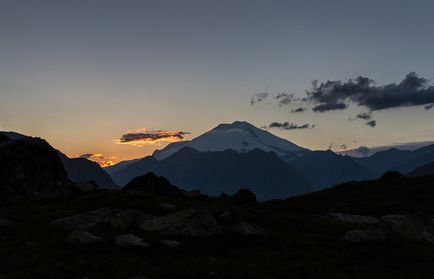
point(85, 73)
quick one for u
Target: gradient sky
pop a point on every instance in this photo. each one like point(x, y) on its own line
point(82, 73)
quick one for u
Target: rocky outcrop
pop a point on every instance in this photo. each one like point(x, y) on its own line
point(354, 219)
point(245, 229)
point(82, 237)
point(4, 222)
point(378, 233)
point(411, 227)
point(85, 221)
point(191, 222)
point(244, 196)
point(131, 240)
point(168, 206)
point(151, 183)
point(30, 168)
point(125, 218)
point(170, 243)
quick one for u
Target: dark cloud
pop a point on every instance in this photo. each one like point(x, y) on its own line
point(258, 98)
point(367, 116)
point(371, 123)
point(285, 99)
point(144, 136)
point(364, 116)
point(362, 150)
point(428, 107)
point(328, 107)
point(411, 91)
point(300, 109)
point(289, 126)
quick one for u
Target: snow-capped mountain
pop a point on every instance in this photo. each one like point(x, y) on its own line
point(239, 136)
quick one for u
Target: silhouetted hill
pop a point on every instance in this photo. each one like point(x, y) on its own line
point(424, 170)
point(225, 171)
point(81, 169)
point(388, 195)
point(325, 168)
point(117, 167)
point(403, 161)
point(30, 168)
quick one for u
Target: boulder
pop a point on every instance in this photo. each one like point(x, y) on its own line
point(354, 219)
point(170, 243)
point(392, 175)
point(192, 194)
point(85, 186)
point(168, 206)
point(226, 217)
point(191, 222)
point(378, 233)
point(4, 222)
point(244, 196)
point(86, 221)
point(151, 183)
point(82, 237)
point(245, 229)
point(411, 227)
point(125, 218)
point(31, 169)
point(131, 240)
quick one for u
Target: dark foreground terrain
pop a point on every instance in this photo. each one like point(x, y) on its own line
point(226, 237)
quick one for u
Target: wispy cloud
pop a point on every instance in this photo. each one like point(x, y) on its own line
point(289, 126)
point(99, 158)
point(258, 98)
point(145, 136)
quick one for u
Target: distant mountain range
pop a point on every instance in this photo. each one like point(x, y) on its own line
point(240, 155)
point(237, 155)
point(77, 169)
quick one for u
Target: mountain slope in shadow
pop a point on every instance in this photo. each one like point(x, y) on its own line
point(224, 171)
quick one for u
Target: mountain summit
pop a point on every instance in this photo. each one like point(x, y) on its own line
point(239, 136)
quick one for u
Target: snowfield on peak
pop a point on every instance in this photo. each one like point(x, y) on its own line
point(239, 136)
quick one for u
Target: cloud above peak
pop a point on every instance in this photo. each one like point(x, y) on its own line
point(363, 91)
point(336, 95)
point(145, 136)
point(289, 126)
point(99, 158)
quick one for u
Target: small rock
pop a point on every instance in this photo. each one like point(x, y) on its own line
point(189, 222)
point(4, 222)
point(83, 237)
point(85, 221)
point(170, 243)
point(85, 186)
point(245, 229)
point(213, 275)
point(373, 234)
point(131, 240)
point(244, 196)
point(124, 219)
point(168, 206)
point(226, 217)
point(354, 219)
point(192, 194)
